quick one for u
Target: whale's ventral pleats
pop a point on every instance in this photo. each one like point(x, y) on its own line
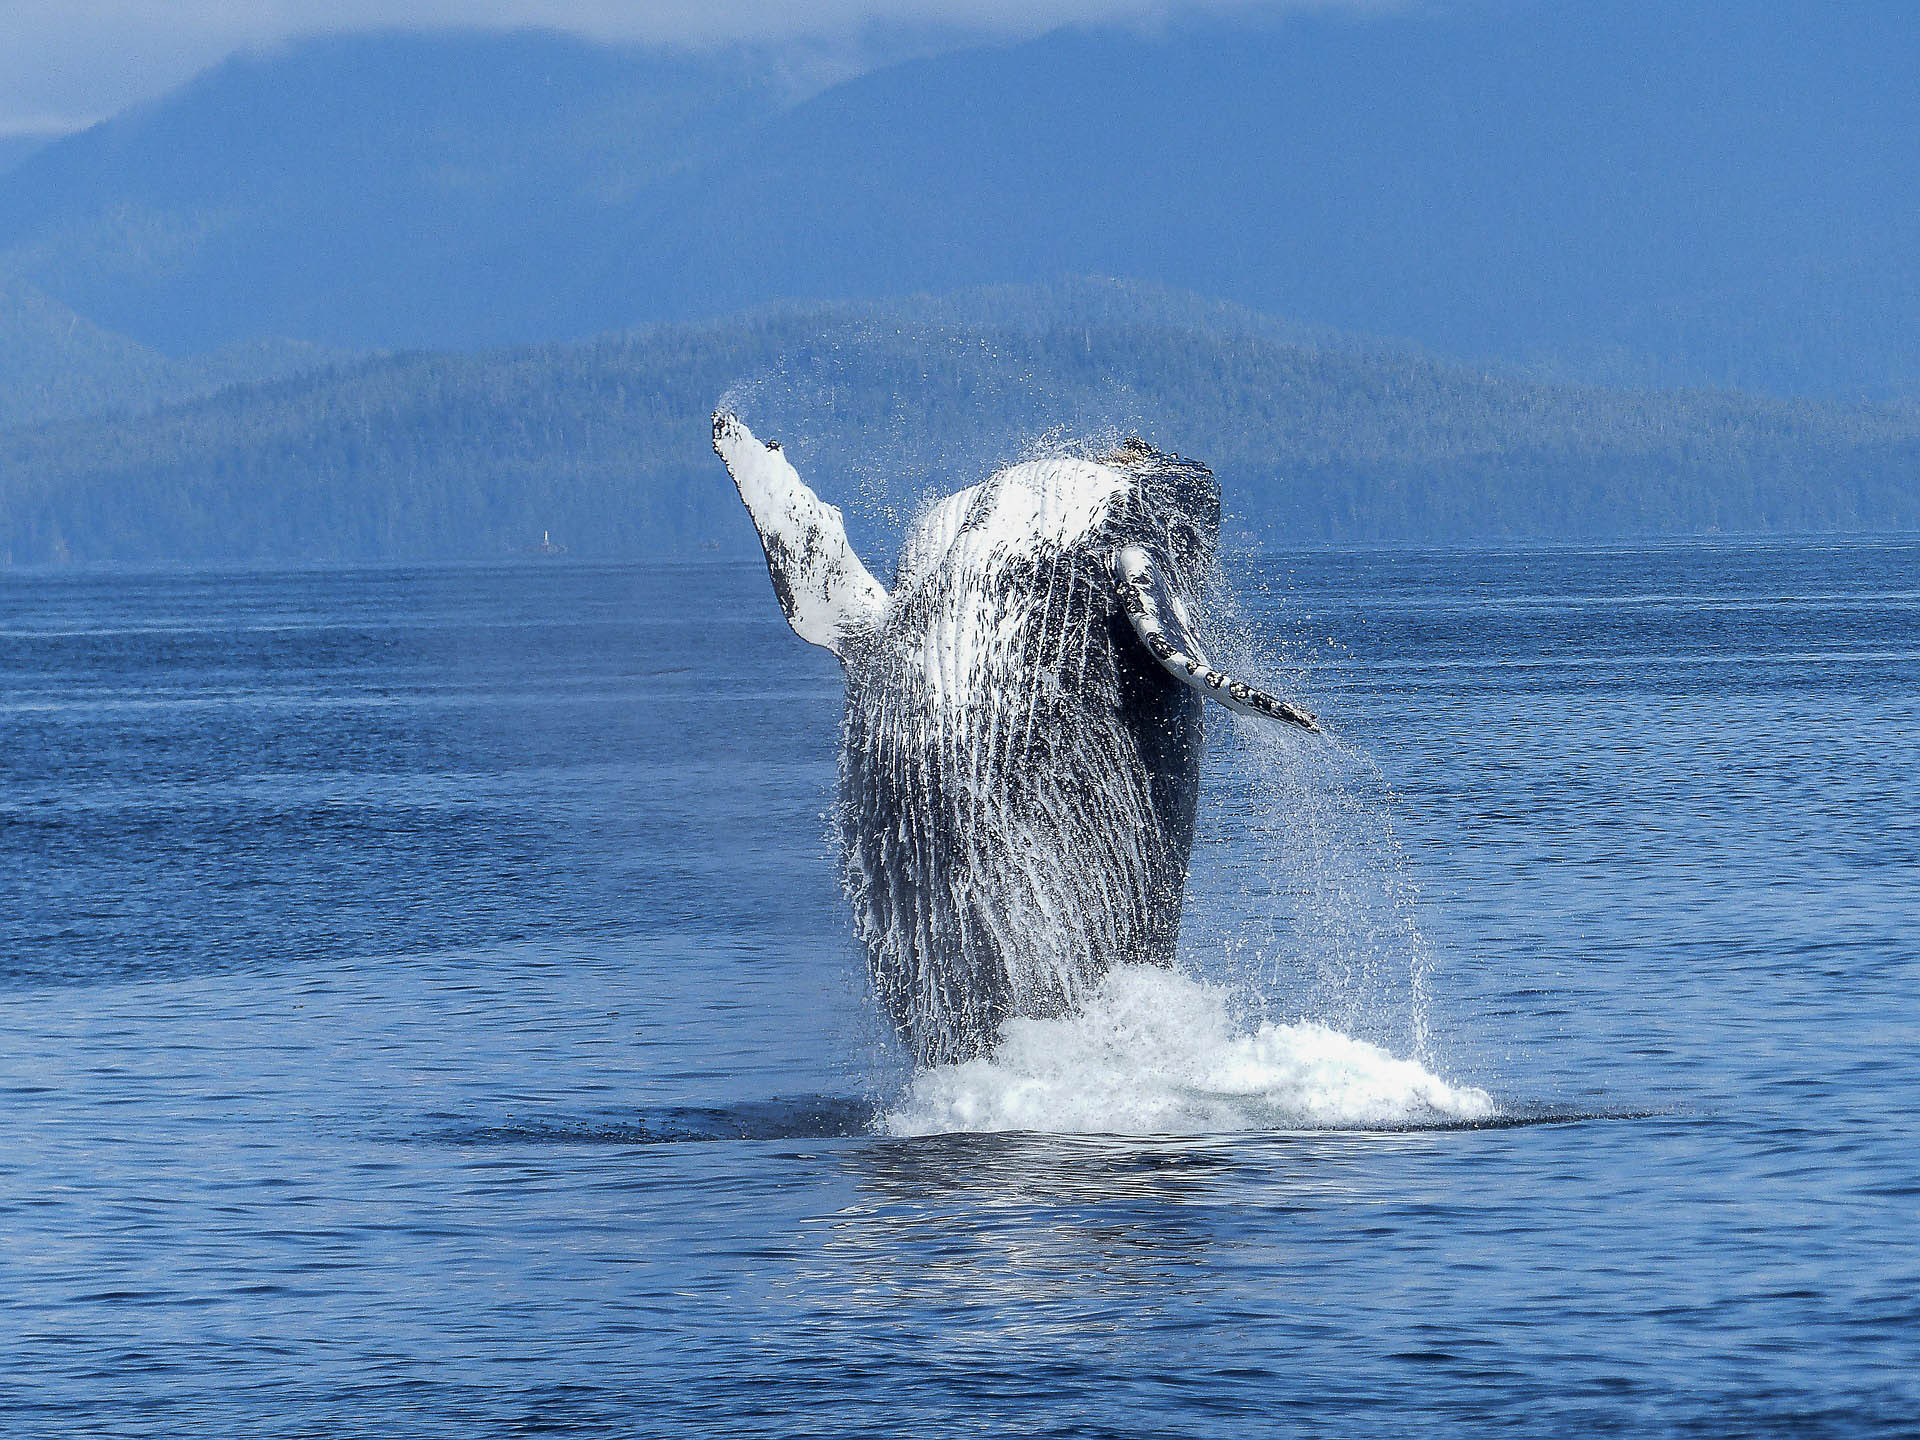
point(1020, 757)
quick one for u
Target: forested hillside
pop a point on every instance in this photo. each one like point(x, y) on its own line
point(15, 148)
point(57, 365)
point(605, 442)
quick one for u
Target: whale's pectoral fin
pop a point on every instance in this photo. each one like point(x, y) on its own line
point(1160, 620)
point(830, 598)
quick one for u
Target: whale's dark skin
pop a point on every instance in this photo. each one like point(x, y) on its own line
point(1020, 758)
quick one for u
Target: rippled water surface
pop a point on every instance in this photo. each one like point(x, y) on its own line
point(428, 1011)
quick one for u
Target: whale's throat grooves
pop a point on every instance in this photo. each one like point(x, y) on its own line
point(982, 887)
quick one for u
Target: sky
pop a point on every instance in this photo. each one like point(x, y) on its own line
point(66, 63)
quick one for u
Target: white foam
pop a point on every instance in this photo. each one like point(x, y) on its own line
point(1155, 1052)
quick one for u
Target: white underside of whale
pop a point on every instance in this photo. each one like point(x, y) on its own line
point(1042, 503)
point(1037, 511)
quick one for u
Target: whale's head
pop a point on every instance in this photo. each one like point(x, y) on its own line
point(1168, 507)
point(1146, 521)
point(1035, 522)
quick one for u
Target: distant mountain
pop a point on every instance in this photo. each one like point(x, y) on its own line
point(16, 148)
point(1644, 191)
point(1697, 192)
point(55, 365)
point(370, 190)
point(605, 442)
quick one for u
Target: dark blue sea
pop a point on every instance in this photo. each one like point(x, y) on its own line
point(427, 1010)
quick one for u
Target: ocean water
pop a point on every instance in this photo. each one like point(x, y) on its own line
point(426, 1010)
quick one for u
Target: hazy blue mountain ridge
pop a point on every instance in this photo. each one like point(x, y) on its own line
point(57, 365)
point(16, 148)
point(369, 190)
point(1660, 192)
point(1643, 192)
point(605, 442)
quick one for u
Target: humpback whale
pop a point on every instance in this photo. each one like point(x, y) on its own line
point(1020, 754)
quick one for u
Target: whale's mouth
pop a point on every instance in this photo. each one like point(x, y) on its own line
point(1156, 1052)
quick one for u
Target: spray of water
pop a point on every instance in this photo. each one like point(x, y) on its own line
point(961, 408)
point(1155, 1051)
point(1300, 1000)
point(1302, 894)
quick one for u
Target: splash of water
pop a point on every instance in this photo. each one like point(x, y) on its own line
point(1306, 972)
point(1302, 895)
point(962, 409)
point(1155, 1051)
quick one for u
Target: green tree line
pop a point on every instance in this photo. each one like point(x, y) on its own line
point(604, 443)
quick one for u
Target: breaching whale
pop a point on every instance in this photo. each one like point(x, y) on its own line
point(1020, 756)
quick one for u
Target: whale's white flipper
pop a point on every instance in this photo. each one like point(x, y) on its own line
point(829, 597)
point(1161, 622)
